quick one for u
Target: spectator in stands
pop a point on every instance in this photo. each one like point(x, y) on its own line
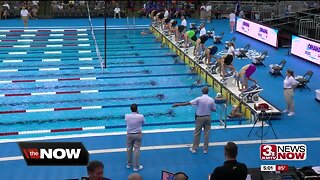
point(134, 123)
point(82, 3)
point(231, 168)
point(25, 16)
point(95, 171)
point(25, 4)
point(202, 13)
point(180, 176)
point(204, 105)
point(232, 17)
point(289, 10)
point(130, 7)
point(208, 12)
point(60, 6)
point(241, 14)
point(35, 3)
point(257, 16)
point(237, 8)
point(34, 12)
point(134, 176)
point(5, 9)
point(117, 12)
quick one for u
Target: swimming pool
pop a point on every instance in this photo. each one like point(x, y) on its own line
point(51, 81)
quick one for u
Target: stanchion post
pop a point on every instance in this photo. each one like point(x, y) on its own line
point(105, 34)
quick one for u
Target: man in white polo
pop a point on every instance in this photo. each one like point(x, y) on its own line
point(183, 21)
point(203, 30)
point(204, 105)
point(134, 123)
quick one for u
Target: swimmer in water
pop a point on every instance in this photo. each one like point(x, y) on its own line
point(196, 83)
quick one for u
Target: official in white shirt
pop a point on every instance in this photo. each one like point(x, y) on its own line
point(134, 123)
point(24, 16)
point(208, 12)
point(289, 84)
point(183, 21)
point(204, 105)
point(166, 13)
point(232, 17)
point(117, 12)
point(203, 30)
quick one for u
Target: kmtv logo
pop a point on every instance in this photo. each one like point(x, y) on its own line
point(54, 153)
point(283, 152)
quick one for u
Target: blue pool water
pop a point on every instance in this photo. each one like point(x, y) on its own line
point(139, 71)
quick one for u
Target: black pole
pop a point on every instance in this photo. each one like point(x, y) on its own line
point(105, 34)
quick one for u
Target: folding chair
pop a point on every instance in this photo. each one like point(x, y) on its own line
point(217, 39)
point(305, 80)
point(231, 40)
point(242, 52)
point(259, 60)
point(275, 69)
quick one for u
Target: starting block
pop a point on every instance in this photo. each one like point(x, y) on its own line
point(186, 50)
point(179, 43)
point(252, 94)
point(199, 59)
point(214, 68)
point(229, 79)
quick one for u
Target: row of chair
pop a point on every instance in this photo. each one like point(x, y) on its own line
point(275, 69)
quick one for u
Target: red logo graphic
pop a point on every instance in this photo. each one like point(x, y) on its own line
point(54, 153)
point(268, 152)
point(31, 153)
point(282, 168)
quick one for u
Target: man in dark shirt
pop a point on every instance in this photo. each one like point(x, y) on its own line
point(95, 171)
point(231, 169)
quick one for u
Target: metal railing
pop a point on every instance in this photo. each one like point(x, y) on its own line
point(305, 25)
point(317, 32)
point(133, 23)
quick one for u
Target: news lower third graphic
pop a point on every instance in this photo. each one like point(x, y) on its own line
point(54, 153)
point(283, 152)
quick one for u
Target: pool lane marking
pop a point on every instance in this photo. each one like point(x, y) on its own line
point(37, 35)
point(44, 60)
point(39, 40)
point(79, 108)
point(94, 91)
point(92, 78)
point(87, 67)
point(43, 30)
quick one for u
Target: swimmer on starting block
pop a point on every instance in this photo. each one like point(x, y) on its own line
point(178, 31)
point(189, 35)
point(200, 43)
point(209, 52)
point(244, 75)
point(226, 61)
